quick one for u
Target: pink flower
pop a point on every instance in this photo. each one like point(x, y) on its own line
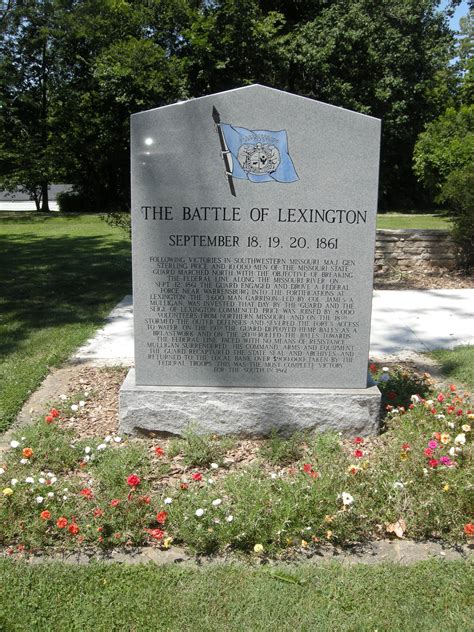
point(445, 460)
point(428, 452)
point(432, 444)
point(358, 454)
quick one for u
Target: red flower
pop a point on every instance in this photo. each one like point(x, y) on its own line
point(391, 395)
point(459, 412)
point(411, 406)
point(428, 452)
point(452, 388)
point(433, 462)
point(115, 502)
point(27, 453)
point(45, 515)
point(358, 454)
point(49, 419)
point(159, 451)
point(314, 474)
point(61, 522)
point(307, 467)
point(358, 440)
point(158, 534)
point(373, 368)
point(469, 529)
point(98, 512)
point(133, 480)
point(440, 398)
point(433, 411)
point(197, 476)
point(184, 486)
point(388, 407)
point(86, 492)
point(161, 517)
point(406, 447)
point(145, 499)
point(450, 409)
point(54, 412)
point(73, 529)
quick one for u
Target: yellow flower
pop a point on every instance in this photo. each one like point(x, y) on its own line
point(304, 544)
point(328, 534)
point(470, 416)
point(167, 542)
point(328, 518)
point(403, 456)
point(445, 438)
point(258, 548)
point(446, 488)
point(467, 427)
point(8, 491)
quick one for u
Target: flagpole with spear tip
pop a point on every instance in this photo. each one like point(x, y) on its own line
point(224, 150)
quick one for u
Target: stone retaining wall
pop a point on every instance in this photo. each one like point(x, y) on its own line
point(428, 251)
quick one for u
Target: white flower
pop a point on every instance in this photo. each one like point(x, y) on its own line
point(29, 479)
point(429, 402)
point(63, 397)
point(216, 502)
point(425, 471)
point(82, 403)
point(86, 393)
point(461, 438)
point(14, 444)
point(2, 471)
point(117, 439)
point(53, 480)
point(211, 481)
point(39, 499)
point(214, 466)
point(347, 499)
point(168, 501)
point(65, 489)
point(385, 369)
point(14, 481)
point(41, 480)
point(398, 485)
point(414, 399)
point(440, 416)
point(87, 449)
point(273, 475)
point(102, 446)
point(50, 494)
point(199, 512)
point(452, 451)
point(450, 424)
point(108, 439)
point(65, 497)
point(86, 459)
point(74, 407)
point(466, 427)
point(229, 518)
point(49, 474)
point(23, 461)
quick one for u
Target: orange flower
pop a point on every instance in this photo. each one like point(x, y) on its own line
point(73, 529)
point(61, 522)
point(469, 529)
point(27, 453)
point(159, 451)
point(49, 419)
point(45, 515)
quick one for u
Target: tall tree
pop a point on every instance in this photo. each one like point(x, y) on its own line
point(29, 77)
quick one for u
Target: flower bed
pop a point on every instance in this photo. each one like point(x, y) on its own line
point(415, 480)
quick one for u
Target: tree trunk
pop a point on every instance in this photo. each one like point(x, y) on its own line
point(44, 198)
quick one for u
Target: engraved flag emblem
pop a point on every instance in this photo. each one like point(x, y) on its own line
point(255, 155)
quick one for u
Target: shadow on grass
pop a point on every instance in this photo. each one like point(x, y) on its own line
point(50, 281)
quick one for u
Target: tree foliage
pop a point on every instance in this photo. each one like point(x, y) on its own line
point(74, 70)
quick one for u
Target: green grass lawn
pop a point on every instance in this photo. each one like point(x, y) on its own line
point(401, 220)
point(59, 277)
point(457, 364)
point(427, 596)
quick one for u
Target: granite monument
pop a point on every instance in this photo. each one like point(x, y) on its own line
point(253, 236)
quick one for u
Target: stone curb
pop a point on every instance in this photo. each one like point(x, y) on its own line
point(404, 552)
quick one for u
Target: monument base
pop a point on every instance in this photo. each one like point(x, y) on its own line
point(169, 410)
